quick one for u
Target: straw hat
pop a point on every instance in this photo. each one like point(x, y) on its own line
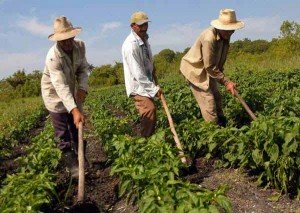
point(227, 21)
point(63, 29)
point(139, 18)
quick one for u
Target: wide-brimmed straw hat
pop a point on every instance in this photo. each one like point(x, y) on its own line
point(139, 18)
point(227, 21)
point(63, 29)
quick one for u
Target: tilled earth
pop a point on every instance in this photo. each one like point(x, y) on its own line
point(243, 193)
point(8, 165)
point(101, 189)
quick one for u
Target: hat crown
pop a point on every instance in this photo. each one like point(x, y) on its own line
point(62, 24)
point(138, 16)
point(227, 16)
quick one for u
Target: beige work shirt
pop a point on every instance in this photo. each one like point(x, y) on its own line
point(206, 59)
point(63, 76)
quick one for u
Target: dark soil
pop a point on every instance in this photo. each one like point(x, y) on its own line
point(101, 189)
point(243, 193)
point(8, 165)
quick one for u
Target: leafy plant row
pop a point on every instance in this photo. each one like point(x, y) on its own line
point(268, 147)
point(32, 186)
point(149, 169)
point(17, 120)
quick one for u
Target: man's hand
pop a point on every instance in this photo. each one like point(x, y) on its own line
point(77, 117)
point(158, 94)
point(230, 86)
point(80, 96)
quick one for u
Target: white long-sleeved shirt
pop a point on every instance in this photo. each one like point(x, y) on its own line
point(138, 67)
point(63, 76)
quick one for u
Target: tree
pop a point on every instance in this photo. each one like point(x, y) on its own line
point(290, 29)
point(18, 78)
point(165, 55)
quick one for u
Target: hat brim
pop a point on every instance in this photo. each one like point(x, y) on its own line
point(143, 21)
point(233, 26)
point(65, 35)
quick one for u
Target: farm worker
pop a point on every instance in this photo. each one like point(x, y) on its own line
point(64, 86)
point(140, 79)
point(203, 65)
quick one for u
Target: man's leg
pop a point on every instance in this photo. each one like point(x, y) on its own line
point(62, 134)
point(222, 121)
point(206, 102)
point(147, 111)
point(61, 123)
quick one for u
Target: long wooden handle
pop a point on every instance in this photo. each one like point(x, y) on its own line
point(178, 144)
point(81, 163)
point(247, 108)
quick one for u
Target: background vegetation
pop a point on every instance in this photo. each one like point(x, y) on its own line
point(280, 53)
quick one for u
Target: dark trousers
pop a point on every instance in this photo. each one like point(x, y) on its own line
point(65, 131)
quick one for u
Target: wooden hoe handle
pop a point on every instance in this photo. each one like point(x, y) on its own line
point(81, 163)
point(247, 108)
point(178, 144)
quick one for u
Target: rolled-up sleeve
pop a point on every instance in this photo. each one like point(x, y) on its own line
point(59, 83)
point(82, 72)
point(210, 61)
point(138, 71)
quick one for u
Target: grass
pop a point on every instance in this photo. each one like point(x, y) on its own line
point(17, 110)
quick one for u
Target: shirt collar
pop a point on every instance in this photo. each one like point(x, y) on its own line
point(140, 41)
point(61, 53)
point(218, 36)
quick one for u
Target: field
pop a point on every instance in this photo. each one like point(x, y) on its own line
point(248, 166)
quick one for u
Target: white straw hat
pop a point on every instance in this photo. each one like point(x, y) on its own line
point(227, 21)
point(63, 29)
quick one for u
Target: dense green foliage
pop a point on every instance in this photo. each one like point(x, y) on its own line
point(33, 185)
point(149, 169)
point(107, 75)
point(16, 119)
point(20, 85)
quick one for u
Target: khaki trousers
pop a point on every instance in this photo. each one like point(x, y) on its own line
point(210, 101)
point(147, 112)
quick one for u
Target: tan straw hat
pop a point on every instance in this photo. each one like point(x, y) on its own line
point(139, 18)
point(227, 21)
point(63, 29)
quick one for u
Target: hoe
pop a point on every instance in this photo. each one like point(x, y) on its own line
point(247, 108)
point(82, 206)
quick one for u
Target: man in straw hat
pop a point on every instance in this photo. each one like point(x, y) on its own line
point(64, 87)
point(140, 80)
point(203, 65)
